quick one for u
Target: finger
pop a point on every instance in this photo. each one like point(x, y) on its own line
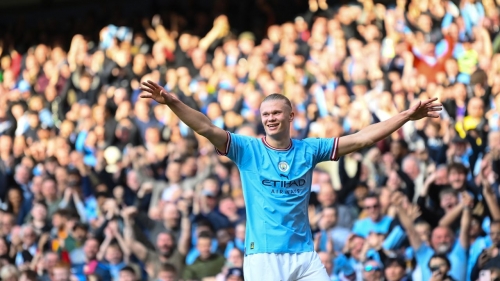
point(146, 96)
point(153, 84)
point(147, 90)
point(150, 85)
point(145, 84)
point(429, 101)
point(433, 104)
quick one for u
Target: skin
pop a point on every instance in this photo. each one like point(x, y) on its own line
point(277, 116)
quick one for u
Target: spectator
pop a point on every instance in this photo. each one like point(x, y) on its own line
point(395, 269)
point(9, 273)
point(440, 266)
point(327, 197)
point(375, 221)
point(489, 256)
point(442, 242)
point(207, 264)
point(81, 156)
point(127, 273)
point(61, 272)
point(372, 271)
point(235, 274)
point(326, 260)
point(330, 232)
point(167, 250)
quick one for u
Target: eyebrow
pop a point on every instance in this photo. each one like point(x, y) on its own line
point(274, 110)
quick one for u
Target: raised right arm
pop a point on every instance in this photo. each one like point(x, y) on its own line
point(194, 119)
point(200, 124)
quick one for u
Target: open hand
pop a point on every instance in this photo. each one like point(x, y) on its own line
point(156, 92)
point(422, 109)
point(397, 199)
point(413, 211)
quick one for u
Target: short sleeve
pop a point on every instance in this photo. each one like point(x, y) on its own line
point(395, 238)
point(235, 147)
point(423, 254)
point(359, 228)
point(325, 149)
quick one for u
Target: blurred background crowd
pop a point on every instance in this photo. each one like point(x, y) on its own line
point(96, 184)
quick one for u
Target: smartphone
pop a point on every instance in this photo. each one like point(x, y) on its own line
point(484, 275)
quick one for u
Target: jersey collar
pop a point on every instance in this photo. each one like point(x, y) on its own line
point(275, 148)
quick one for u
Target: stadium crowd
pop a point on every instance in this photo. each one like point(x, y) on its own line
point(97, 184)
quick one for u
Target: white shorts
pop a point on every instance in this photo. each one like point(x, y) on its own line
point(284, 267)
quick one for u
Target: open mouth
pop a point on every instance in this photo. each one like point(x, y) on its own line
point(272, 126)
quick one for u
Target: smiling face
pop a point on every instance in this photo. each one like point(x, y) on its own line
point(276, 117)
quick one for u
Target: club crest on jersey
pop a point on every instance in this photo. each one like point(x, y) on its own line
point(283, 166)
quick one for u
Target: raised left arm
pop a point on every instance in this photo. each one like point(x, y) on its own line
point(379, 131)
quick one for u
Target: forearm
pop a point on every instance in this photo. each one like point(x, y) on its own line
point(135, 247)
point(491, 202)
point(407, 223)
point(64, 202)
point(194, 119)
point(464, 227)
point(206, 41)
point(451, 216)
point(364, 251)
point(103, 247)
point(165, 38)
point(123, 246)
point(184, 240)
point(372, 134)
point(379, 131)
point(128, 232)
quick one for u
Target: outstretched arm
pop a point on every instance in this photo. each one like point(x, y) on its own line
point(192, 118)
point(376, 132)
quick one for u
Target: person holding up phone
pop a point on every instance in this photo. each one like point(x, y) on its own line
point(440, 266)
point(489, 257)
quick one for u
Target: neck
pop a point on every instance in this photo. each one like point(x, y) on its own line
point(278, 143)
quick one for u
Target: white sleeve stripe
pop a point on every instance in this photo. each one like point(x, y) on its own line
point(334, 149)
point(228, 143)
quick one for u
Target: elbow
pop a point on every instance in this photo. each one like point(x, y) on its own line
point(356, 142)
point(363, 141)
point(363, 138)
point(206, 131)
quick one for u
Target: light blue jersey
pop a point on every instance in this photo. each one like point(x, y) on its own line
point(276, 187)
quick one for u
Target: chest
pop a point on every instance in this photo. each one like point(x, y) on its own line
point(288, 165)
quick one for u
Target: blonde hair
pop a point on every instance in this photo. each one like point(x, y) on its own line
point(9, 271)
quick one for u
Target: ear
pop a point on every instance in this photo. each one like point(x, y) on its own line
point(292, 116)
